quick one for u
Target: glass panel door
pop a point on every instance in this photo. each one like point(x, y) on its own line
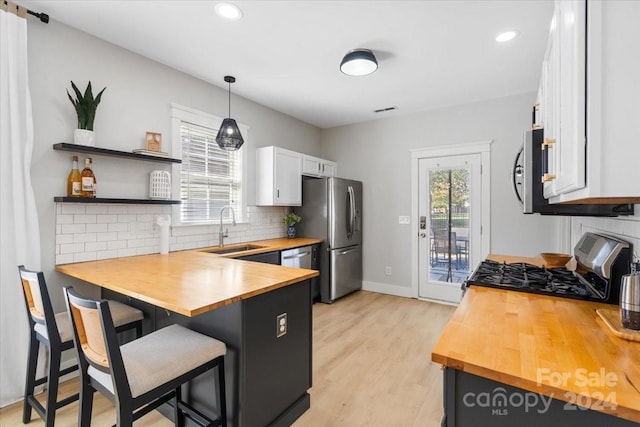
point(449, 202)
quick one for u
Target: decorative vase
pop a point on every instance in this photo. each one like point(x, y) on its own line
point(291, 231)
point(84, 137)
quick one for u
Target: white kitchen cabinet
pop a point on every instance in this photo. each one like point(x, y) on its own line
point(563, 82)
point(278, 177)
point(314, 166)
point(589, 102)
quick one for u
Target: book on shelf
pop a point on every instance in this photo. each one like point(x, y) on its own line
point(151, 152)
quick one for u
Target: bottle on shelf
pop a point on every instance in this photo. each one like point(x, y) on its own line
point(74, 180)
point(88, 179)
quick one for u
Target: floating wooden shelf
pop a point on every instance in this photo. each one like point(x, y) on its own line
point(64, 146)
point(110, 200)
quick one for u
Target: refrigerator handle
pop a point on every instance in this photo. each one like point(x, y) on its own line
point(352, 212)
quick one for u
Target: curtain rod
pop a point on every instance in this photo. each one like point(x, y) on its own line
point(43, 17)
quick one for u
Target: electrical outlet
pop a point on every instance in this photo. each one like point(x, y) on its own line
point(402, 219)
point(281, 325)
point(387, 271)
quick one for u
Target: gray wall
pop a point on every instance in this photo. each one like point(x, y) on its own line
point(137, 99)
point(377, 153)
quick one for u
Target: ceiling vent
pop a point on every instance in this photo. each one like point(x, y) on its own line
point(382, 110)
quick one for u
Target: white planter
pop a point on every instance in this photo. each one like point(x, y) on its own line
point(84, 137)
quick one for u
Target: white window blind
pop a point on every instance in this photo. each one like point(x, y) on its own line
point(210, 178)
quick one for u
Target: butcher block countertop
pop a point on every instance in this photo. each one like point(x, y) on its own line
point(555, 346)
point(192, 282)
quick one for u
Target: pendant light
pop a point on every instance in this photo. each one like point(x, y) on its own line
point(229, 137)
point(359, 62)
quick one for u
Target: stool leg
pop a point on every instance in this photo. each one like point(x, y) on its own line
point(52, 386)
point(86, 403)
point(30, 384)
point(223, 399)
point(125, 414)
point(177, 413)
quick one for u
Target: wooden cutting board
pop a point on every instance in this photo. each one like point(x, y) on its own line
point(612, 319)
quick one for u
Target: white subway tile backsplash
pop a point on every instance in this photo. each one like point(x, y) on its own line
point(104, 237)
point(73, 208)
point(84, 237)
point(118, 227)
point(126, 252)
point(72, 248)
point(101, 231)
point(106, 254)
point(117, 244)
point(626, 228)
point(95, 246)
point(62, 239)
point(73, 228)
point(97, 228)
point(64, 219)
point(126, 218)
point(64, 258)
point(105, 219)
point(117, 209)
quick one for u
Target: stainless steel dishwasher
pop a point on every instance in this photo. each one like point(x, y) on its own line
point(304, 257)
point(298, 257)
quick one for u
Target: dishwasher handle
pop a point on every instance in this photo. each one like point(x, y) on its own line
point(299, 255)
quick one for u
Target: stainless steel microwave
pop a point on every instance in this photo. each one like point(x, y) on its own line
point(528, 187)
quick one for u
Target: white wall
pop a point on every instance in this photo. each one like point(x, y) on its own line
point(138, 97)
point(377, 153)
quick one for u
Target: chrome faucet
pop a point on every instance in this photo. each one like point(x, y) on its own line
point(222, 235)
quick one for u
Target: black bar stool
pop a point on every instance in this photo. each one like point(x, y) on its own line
point(55, 333)
point(142, 374)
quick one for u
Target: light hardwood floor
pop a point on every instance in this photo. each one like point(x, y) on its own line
point(371, 367)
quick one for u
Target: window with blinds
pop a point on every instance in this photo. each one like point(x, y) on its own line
point(210, 178)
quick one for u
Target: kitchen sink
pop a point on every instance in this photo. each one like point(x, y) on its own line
point(233, 249)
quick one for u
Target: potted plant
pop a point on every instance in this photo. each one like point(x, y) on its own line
point(85, 105)
point(291, 219)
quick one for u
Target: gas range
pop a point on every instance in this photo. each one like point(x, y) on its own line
point(602, 261)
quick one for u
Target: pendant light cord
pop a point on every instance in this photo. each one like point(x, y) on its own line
point(229, 116)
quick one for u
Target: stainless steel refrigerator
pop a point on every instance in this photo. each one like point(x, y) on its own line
point(332, 211)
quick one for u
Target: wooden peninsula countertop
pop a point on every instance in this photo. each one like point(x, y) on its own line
point(193, 282)
point(555, 346)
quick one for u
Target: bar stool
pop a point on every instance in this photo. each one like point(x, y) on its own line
point(54, 332)
point(142, 374)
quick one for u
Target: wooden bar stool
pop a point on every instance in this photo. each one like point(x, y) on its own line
point(54, 332)
point(142, 374)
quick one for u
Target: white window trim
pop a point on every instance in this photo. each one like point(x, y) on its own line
point(180, 113)
point(484, 149)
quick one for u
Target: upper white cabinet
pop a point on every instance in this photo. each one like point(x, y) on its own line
point(314, 166)
point(563, 99)
point(588, 99)
point(278, 177)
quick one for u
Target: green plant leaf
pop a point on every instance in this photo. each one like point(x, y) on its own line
point(98, 98)
point(88, 94)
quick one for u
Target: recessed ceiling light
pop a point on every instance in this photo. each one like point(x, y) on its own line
point(507, 35)
point(228, 11)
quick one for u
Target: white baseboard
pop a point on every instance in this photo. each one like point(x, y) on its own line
point(385, 288)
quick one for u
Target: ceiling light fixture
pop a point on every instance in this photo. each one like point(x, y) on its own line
point(507, 35)
point(229, 137)
point(359, 62)
point(228, 11)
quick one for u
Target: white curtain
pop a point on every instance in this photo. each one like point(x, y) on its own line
point(19, 230)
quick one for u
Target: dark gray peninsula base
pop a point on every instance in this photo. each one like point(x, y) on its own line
point(267, 375)
point(473, 401)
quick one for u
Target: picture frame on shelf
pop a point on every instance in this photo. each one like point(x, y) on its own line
point(153, 141)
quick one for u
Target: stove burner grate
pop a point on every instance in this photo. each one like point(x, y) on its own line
point(530, 278)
